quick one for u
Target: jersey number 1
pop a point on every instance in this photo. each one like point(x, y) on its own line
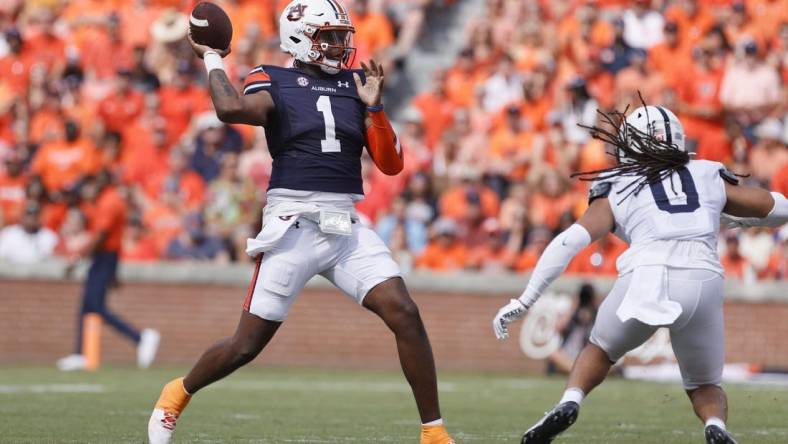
point(330, 144)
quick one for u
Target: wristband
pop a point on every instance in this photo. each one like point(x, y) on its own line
point(375, 108)
point(212, 61)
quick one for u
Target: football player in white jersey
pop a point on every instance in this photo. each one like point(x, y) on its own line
point(668, 208)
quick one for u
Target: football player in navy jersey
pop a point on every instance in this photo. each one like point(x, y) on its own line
point(318, 117)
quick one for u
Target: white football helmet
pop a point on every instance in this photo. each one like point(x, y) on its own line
point(657, 122)
point(318, 32)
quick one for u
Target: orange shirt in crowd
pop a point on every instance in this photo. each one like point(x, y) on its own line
point(691, 28)
point(191, 187)
point(143, 249)
point(437, 114)
point(119, 109)
point(103, 57)
point(598, 258)
point(671, 62)
point(777, 267)
point(454, 202)
point(461, 86)
point(443, 258)
point(60, 163)
point(15, 72)
point(46, 125)
point(12, 198)
point(53, 215)
point(373, 33)
point(46, 49)
point(547, 210)
point(527, 260)
point(164, 223)
point(108, 215)
point(734, 266)
point(178, 106)
point(483, 257)
point(505, 146)
point(779, 182)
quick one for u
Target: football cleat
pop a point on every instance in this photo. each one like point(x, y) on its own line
point(173, 399)
point(717, 435)
point(552, 424)
point(161, 426)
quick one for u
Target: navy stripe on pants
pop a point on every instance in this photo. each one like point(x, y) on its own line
point(100, 275)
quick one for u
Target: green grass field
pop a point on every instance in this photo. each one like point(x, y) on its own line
point(42, 405)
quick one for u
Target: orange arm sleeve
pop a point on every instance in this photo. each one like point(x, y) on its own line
point(383, 144)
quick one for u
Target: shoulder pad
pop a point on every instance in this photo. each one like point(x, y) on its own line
point(728, 176)
point(599, 189)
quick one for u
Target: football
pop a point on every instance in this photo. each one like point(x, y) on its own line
point(210, 26)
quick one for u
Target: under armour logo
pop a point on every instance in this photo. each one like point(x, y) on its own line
point(342, 84)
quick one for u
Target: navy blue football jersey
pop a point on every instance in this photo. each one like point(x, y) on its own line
point(317, 135)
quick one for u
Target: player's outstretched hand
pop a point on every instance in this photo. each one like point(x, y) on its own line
point(371, 91)
point(200, 50)
point(509, 313)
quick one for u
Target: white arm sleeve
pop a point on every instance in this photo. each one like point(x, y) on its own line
point(554, 260)
point(777, 217)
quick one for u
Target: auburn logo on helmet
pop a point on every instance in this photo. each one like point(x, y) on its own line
point(296, 12)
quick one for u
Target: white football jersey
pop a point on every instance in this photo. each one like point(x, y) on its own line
point(676, 224)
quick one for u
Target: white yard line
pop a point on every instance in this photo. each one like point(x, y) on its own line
point(7, 389)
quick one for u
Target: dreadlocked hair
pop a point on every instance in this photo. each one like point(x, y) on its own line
point(648, 158)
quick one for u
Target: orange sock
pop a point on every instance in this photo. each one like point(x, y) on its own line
point(436, 434)
point(173, 397)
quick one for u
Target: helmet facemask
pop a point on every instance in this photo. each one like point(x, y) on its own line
point(332, 48)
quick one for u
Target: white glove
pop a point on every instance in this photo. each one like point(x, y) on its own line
point(509, 313)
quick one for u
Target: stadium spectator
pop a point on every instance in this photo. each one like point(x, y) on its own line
point(769, 154)
point(468, 190)
point(60, 164)
point(123, 105)
point(537, 242)
point(27, 242)
point(138, 245)
point(414, 229)
point(642, 25)
point(12, 190)
point(197, 243)
point(735, 264)
point(598, 258)
point(555, 63)
point(74, 237)
point(751, 88)
point(214, 141)
point(106, 214)
point(494, 254)
point(777, 265)
point(575, 329)
point(445, 252)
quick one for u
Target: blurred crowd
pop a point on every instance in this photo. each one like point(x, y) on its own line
point(97, 93)
point(492, 143)
point(92, 86)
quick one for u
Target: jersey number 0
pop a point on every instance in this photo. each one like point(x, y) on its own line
point(330, 144)
point(687, 185)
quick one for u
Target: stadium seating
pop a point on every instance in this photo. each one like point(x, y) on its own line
point(490, 144)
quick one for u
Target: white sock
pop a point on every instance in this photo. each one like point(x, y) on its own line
point(715, 421)
point(437, 422)
point(573, 394)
